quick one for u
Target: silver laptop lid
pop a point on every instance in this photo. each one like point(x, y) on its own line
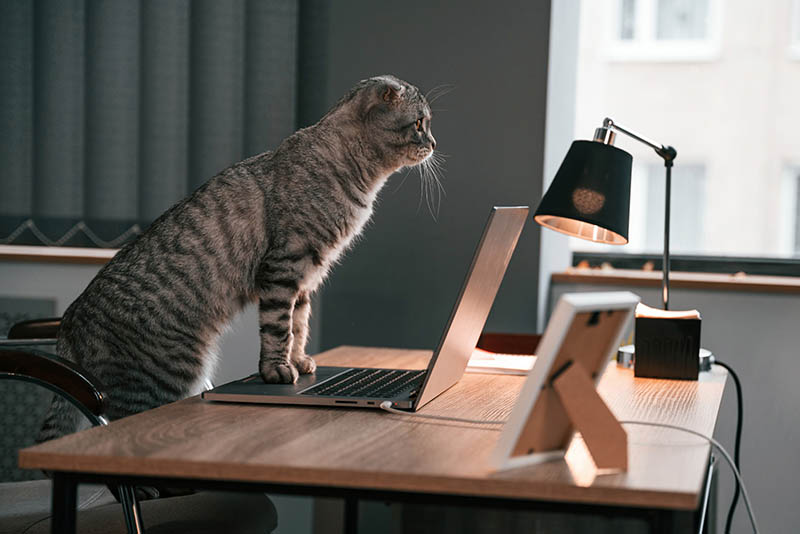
point(475, 301)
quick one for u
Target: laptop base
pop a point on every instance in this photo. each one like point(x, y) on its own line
point(252, 389)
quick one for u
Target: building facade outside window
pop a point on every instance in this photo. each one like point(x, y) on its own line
point(687, 230)
point(661, 30)
point(730, 108)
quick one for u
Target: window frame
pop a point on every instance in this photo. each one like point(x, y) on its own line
point(644, 177)
point(764, 266)
point(789, 211)
point(646, 47)
point(794, 31)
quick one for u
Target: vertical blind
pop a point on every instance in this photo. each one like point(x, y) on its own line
point(113, 110)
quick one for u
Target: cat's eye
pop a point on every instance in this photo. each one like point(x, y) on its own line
point(418, 124)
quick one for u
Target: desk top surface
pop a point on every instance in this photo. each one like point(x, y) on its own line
point(362, 448)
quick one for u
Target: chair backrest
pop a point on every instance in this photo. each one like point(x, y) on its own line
point(37, 329)
point(28, 379)
point(61, 376)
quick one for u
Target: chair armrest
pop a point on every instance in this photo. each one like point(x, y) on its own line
point(61, 376)
point(36, 329)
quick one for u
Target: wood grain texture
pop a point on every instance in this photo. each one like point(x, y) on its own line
point(603, 435)
point(677, 279)
point(366, 449)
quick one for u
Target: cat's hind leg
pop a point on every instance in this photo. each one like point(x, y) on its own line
point(302, 311)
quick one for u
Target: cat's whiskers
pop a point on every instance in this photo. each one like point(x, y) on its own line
point(403, 180)
point(430, 170)
point(438, 92)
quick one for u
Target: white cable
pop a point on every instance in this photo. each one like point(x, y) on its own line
point(721, 449)
point(387, 406)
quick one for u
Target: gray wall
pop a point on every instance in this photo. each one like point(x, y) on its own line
point(397, 286)
point(757, 335)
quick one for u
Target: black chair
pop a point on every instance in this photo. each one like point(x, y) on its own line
point(187, 513)
point(75, 385)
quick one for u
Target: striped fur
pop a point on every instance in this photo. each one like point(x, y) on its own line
point(266, 229)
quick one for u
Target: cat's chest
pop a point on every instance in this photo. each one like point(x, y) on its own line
point(360, 220)
point(355, 228)
point(315, 276)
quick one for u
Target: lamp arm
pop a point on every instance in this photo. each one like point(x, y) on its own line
point(605, 134)
point(666, 152)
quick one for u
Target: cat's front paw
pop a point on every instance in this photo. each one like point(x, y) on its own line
point(278, 373)
point(304, 364)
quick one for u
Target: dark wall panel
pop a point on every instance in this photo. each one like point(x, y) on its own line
point(59, 103)
point(164, 134)
point(312, 60)
point(396, 287)
point(217, 73)
point(271, 74)
point(112, 122)
point(16, 113)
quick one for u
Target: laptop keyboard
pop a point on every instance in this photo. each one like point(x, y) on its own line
point(373, 383)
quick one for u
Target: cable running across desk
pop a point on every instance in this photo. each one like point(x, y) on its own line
point(716, 444)
point(386, 406)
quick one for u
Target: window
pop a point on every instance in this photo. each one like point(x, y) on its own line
point(686, 212)
point(646, 226)
point(732, 119)
point(797, 213)
point(682, 19)
point(663, 30)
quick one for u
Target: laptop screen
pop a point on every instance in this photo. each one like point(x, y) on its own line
point(474, 302)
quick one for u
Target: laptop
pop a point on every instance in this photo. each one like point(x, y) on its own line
point(405, 389)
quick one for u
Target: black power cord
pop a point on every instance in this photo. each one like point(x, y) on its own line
point(737, 445)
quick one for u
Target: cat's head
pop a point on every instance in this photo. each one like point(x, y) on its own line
point(396, 117)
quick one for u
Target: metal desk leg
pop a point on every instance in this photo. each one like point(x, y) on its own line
point(351, 515)
point(706, 494)
point(130, 506)
point(65, 502)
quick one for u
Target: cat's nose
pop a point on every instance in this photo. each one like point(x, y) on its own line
point(433, 142)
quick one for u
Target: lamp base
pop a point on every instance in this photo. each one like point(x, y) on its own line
point(626, 356)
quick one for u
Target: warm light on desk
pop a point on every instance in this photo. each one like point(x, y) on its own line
point(580, 463)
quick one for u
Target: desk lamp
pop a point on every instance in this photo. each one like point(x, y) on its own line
point(590, 195)
point(590, 198)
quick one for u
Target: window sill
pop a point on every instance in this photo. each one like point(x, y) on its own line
point(709, 281)
point(86, 256)
point(663, 53)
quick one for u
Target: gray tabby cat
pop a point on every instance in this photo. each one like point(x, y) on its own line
point(266, 229)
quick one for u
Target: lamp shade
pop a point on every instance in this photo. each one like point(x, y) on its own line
point(590, 195)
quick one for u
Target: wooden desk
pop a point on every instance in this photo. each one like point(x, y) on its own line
point(372, 454)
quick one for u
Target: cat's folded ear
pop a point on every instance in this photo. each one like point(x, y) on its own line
point(390, 90)
point(380, 93)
